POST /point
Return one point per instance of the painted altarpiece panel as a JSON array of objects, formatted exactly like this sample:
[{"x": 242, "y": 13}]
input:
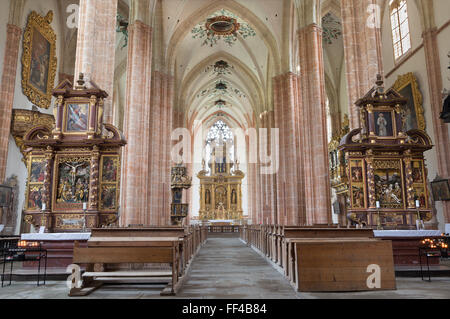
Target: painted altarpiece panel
[{"x": 35, "y": 185}]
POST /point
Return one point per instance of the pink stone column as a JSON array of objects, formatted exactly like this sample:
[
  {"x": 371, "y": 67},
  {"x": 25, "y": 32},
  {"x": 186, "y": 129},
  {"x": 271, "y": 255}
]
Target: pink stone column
[
  {"x": 286, "y": 108},
  {"x": 441, "y": 138},
  {"x": 10, "y": 60},
  {"x": 313, "y": 129},
  {"x": 96, "y": 45},
  {"x": 267, "y": 186},
  {"x": 159, "y": 161},
  {"x": 135, "y": 184},
  {"x": 362, "y": 49}
]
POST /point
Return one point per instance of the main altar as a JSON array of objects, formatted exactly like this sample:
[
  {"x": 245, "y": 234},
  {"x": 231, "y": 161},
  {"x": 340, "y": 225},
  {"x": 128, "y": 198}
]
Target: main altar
[{"x": 221, "y": 187}]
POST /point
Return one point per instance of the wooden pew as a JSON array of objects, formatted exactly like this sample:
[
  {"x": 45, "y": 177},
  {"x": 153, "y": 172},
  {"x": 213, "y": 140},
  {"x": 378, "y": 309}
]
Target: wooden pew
[
  {"x": 287, "y": 232},
  {"x": 117, "y": 250},
  {"x": 340, "y": 264},
  {"x": 186, "y": 248}
]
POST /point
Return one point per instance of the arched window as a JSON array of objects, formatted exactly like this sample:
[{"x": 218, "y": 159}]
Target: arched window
[
  {"x": 219, "y": 134},
  {"x": 400, "y": 27}
]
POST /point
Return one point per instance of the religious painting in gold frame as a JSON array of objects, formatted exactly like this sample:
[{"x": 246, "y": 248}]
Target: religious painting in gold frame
[
  {"x": 71, "y": 182},
  {"x": 39, "y": 59},
  {"x": 407, "y": 86},
  {"x": 109, "y": 182},
  {"x": 35, "y": 187}
]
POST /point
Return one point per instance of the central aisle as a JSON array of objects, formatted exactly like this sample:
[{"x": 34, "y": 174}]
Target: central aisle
[{"x": 226, "y": 268}]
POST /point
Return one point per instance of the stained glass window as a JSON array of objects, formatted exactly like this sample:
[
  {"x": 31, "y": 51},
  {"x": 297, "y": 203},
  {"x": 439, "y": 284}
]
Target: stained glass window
[
  {"x": 400, "y": 27},
  {"x": 219, "y": 132}
]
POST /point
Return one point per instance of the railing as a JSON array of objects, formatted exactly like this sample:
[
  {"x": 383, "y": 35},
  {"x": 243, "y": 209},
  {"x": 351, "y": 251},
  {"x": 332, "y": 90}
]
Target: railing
[{"x": 224, "y": 229}]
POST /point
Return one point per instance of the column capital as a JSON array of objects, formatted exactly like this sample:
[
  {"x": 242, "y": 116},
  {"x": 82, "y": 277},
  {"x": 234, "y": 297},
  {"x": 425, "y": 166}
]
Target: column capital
[{"x": 313, "y": 27}]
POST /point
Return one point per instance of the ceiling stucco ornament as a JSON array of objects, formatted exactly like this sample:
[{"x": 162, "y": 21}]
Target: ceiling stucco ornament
[
  {"x": 332, "y": 28},
  {"x": 221, "y": 88},
  {"x": 220, "y": 68},
  {"x": 220, "y": 103},
  {"x": 222, "y": 25}
]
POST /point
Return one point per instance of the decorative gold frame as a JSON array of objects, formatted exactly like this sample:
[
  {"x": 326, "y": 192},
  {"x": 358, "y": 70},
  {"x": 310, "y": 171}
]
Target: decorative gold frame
[
  {"x": 41, "y": 25},
  {"x": 410, "y": 79}
]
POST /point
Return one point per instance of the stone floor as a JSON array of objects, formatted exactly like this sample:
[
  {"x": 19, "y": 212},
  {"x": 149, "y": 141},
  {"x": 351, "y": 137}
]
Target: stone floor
[{"x": 226, "y": 268}]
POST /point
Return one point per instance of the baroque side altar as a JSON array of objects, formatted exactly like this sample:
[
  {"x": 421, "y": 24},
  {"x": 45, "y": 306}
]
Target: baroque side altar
[
  {"x": 74, "y": 164},
  {"x": 383, "y": 173}
]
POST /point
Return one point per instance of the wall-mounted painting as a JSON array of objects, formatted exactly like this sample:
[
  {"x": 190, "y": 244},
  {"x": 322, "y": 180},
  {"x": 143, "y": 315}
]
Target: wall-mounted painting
[
  {"x": 441, "y": 190},
  {"x": 39, "y": 59},
  {"x": 6, "y": 196},
  {"x": 408, "y": 87}
]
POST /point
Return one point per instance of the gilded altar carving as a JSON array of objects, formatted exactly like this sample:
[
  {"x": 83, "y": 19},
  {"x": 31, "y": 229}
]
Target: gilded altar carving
[
  {"x": 39, "y": 59},
  {"x": 25, "y": 120}
]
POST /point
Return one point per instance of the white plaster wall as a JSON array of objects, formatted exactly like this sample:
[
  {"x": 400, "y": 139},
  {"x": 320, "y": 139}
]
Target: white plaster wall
[
  {"x": 15, "y": 165},
  {"x": 417, "y": 65},
  {"x": 343, "y": 93},
  {"x": 441, "y": 10}
]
